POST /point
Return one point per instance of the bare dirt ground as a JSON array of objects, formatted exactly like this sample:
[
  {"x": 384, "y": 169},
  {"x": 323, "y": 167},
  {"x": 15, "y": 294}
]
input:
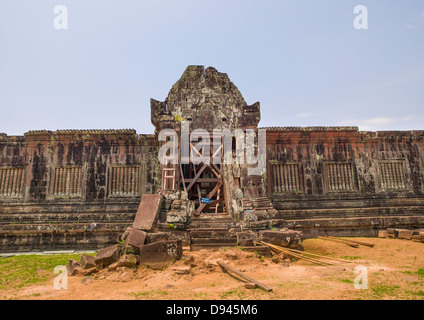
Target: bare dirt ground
[{"x": 395, "y": 271}]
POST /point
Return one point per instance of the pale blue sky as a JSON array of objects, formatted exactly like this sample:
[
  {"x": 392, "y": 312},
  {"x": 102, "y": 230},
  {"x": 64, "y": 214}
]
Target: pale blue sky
[{"x": 303, "y": 60}]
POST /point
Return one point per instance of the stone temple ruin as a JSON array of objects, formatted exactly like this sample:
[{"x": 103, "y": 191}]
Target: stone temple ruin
[{"x": 90, "y": 189}]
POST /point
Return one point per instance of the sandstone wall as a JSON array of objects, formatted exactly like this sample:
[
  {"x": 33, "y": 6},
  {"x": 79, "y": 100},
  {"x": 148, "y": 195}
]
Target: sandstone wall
[
  {"x": 79, "y": 165},
  {"x": 337, "y": 168}
]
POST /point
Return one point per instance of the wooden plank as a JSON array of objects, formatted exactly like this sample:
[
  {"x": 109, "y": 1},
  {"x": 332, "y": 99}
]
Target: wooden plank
[
  {"x": 355, "y": 242},
  {"x": 317, "y": 255},
  {"x": 340, "y": 241},
  {"x": 197, "y": 176},
  {"x": 295, "y": 255},
  {"x": 210, "y": 195},
  {"x": 203, "y": 180},
  {"x": 244, "y": 276},
  {"x": 182, "y": 177}
]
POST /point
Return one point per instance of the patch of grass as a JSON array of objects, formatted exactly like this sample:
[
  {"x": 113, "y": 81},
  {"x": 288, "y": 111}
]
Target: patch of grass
[
  {"x": 227, "y": 294},
  {"x": 148, "y": 293},
  {"x": 418, "y": 293},
  {"x": 351, "y": 257},
  {"x": 346, "y": 281},
  {"x": 419, "y": 272},
  {"x": 201, "y": 295},
  {"x": 139, "y": 294},
  {"x": 384, "y": 290},
  {"x": 19, "y": 271}
]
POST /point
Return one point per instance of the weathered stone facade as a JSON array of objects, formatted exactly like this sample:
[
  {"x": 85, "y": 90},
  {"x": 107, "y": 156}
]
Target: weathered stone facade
[{"x": 322, "y": 180}]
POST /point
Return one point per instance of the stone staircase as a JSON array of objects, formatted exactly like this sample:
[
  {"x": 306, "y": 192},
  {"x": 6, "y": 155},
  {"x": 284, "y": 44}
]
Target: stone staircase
[
  {"x": 66, "y": 226},
  {"x": 212, "y": 232},
  {"x": 209, "y": 232}
]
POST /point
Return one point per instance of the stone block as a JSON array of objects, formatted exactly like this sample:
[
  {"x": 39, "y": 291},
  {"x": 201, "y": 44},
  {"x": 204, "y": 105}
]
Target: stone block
[
  {"x": 416, "y": 237},
  {"x": 405, "y": 234},
  {"x": 383, "y": 234},
  {"x": 155, "y": 237},
  {"x": 108, "y": 255},
  {"x": 73, "y": 267},
  {"x": 246, "y": 238},
  {"x": 176, "y": 216},
  {"x": 135, "y": 238},
  {"x": 287, "y": 238},
  {"x": 87, "y": 261},
  {"x": 393, "y": 233},
  {"x": 148, "y": 212},
  {"x": 181, "y": 270},
  {"x": 127, "y": 260},
  {"x": 245, "y": 243},
  {"x": 250, "y": 285},
  {"x": 161, "y": 251}
]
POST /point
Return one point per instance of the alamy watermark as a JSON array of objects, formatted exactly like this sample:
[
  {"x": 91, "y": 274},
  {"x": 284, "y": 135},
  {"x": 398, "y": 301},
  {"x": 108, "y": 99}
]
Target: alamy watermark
[
  {"x": 60, "y": 21},
  {"x": 361, "y": 281},
  {"x": 61, "y": 281},
  {"x": 361, "y": 20}
]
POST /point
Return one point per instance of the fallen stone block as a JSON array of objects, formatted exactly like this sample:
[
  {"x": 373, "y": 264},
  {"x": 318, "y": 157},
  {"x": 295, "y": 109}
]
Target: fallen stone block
[
  {"x": 87, "y": 280},
  {"x": 246, "y": 238},
  {"x": 108, "y": 255},
  {"x": 245, "y": 243},
  {"x": 287, "y": 238},
  {"x": 161, "y": 251},
  {"x": 181, "y": 270},
  {"x": 155, "y": 237},
  {"x": 87, "y": 261},
  {"x": 135, "y": 238},
  {"x": 416, "y": 238},
  {"x": 127, "y": 260},
  {"x": 405, "y": 234},
  {"x": 73, "y": 267},
  {"x": 148, "y": 212},
  {"x": 250, "y": 285},
  {"x": 383, "y": 234},
  {"x": 87, "y": 272},
  {"x": 418, "y": 231},
  {"x": 422, "y": 235},
  {"x": 261, "y": 214},
  {"x": 393, "y": 233}
]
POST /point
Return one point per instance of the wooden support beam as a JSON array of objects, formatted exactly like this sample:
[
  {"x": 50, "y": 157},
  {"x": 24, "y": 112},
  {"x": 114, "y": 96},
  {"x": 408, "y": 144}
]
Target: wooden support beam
[
  {"x": 354, "y": 241},
  {"x": 182, "y": 177},
  {"x": 203, "y": 180},
  {"x": 197, "y": 176},
  {"x": 210, "y": 195},
  {"x": 227, "y": 268},
  {"x": 340, "y": 241}
]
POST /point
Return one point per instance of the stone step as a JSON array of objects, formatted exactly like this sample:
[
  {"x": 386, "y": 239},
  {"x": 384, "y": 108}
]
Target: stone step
[
  {"x": 205, "y": 218},
  {"x": 81, "y": 240},
  {"x": 209, "y": 233},
  {"x": 65, "y": 217},
  {"x": 350, "y": 212},
  {"x": 67, "y": 207},
  {"x": 64, "y": 226},
  {"x": 214, "y": 225},
  {"x": 216, "y": 241},
  {"x": 212, "y": 247}
]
